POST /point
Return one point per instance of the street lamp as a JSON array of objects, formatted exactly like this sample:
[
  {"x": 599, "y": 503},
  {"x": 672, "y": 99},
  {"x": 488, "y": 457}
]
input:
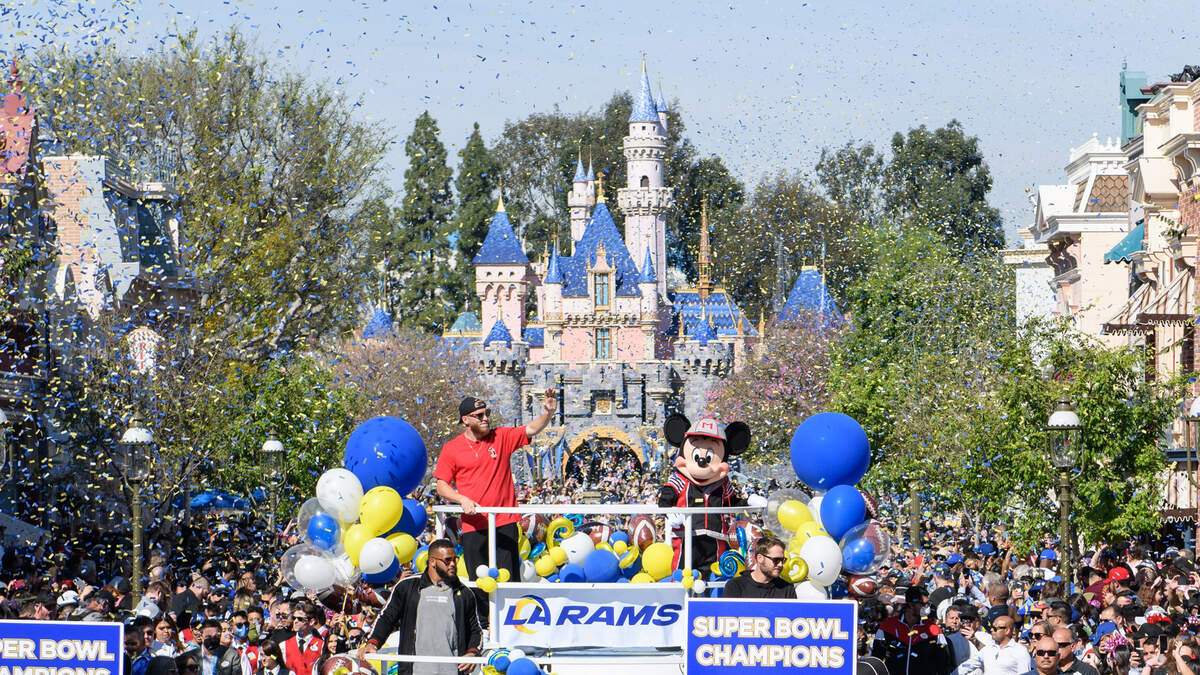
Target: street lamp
[
  {"x": 273, "y": 452},
  {"x": 1064, "y": 441},
  {"x": 1193, "y": 439},
  {"x": 136, "y": 441}
]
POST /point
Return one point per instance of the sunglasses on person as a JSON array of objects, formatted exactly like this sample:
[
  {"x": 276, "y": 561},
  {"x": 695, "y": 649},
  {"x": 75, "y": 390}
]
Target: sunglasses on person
[
  {"x": 299, "y": 617},
  {"x": 774, "y": 561},
  {"x": 1037, "y": 636},
  {"x": 480, "y": 415},
  {"x": 1064, "y": 644},
  {"x": 1045, "y": 652}
]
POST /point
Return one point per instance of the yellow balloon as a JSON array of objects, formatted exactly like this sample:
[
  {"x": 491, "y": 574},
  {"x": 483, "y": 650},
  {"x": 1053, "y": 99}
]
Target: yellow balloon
[
  {"x": 811, "y": 529},
  {"x": 604, "y": 546},
  {"x": 657, "y": 560},
  {"x": 559, "y": 528},
  {"x": 545, "y": 566},
  {"x": 628, "y": 558},
  {"x": 688, "y": 580},
  {"x": 422, "y": 560},
  {"x": 795, "y": 542},
  {"x": 356, "y": 535},
  {"x": 794, "y": 570},
  {"x": 486, "y": 584},
  {"x": 461, "y": 569},
  {"x": 620, "y": 547},
  {"x": 380, "y": 509},
  {"x": 642, "y": 578},
  {"x": 505, "y": 575},
  {"x": 792, "y": 514},
  {"x": 523, "y": 548},
  {"x": 558, "y": 555},
  {"x": 404, "y": 546}
]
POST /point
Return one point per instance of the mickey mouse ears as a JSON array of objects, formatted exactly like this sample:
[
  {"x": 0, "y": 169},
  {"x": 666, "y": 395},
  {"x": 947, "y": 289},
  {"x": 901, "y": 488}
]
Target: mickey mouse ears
[{"x": 735, "y": 435}]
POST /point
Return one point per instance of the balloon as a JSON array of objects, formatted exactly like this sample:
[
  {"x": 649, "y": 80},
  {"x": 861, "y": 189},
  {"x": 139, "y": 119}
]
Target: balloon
[
  {"x": 731, "y": 564},
  {"x": 812, "y": 529},
  {"x": 385, "y": 576},
  {"x": 523, "y": 666},
  {"x": 376, "y": 555},
  {"x": 324, "y": 531},
  {"x": 460, "y": 569},
  {"x": 291, "y": 558},
  {"x": 558, "y": 555},
  {"x": 807, "y": 590},
  {"x": 387, "y": 451},
  {"x": 856, "y": 542},
  {"x": 356, "y": 536},
  {"x": 642, "y": 578},
  {"x": 413, "y": 520},
  {"x": 572, "y": 573},
  {"x": 795, "y": 544},
  {"x": 499, "y": 659},
  {"x": 814, "y": 507},
  {"x": 523, "y": 548},
  {"x": 380, "y": 509},
  {"x": 345, "y": 573},
  {"x": 631, "y": 563},
  {"x": 559, "y": 528},
  {"x": 515, "y": 654},
  {"x": 838, "y": 589},
  {"x": 618, "y": 536},
  {"x": 308, "y": 509},
  {"x": 421, "y": 559},
  {"x": 792, "y": 514},
  {"x": 505, "y": 575},
  {"x": 314, "y": 573},
  {"x": 601, "y": 567},
  {"x": 577, "y": 546},
  {"x": 481, "y": 571},
  {"x": 545, "y": 566},
  {"x": 824, "y": 559},
  {"x": 657, "y": 560},
  {"x": 830, "y": 449},
  {"x": 537, "y": 551},
  {"x": 842, "y": 508},
  {"x": 774, "y": 501},
  {"x": 794, "y": 569},
  {"x": 528, "y": 571},
  {"x": 404, "y": 546},
  {"x": 339, "y": 492},
  {"x": 486, "y": 584},
  {"x": 688, "y": 581},
  {"x": 699, "y": 586}
]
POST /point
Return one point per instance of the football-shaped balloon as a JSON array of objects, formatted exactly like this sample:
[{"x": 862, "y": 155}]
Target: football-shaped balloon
[
  {"x": 599, "y": 532},
  {"x": 641, "y": 531},
  {"x": 872, "y": 505},
  {"x": 534, "y": 526},
  {"x": 863, "y": 586}
]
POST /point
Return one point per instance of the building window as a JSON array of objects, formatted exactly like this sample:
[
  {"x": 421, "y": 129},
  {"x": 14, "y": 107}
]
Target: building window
[
  {"x": 1187, "y": 349},
  {"x": 601, "y": 290},
  {"x": 603, "y": 343},
  {"x": 645, "y": 181}
]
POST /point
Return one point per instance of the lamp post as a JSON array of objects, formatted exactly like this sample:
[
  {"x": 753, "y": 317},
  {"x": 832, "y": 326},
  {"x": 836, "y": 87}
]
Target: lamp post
[
  {"x": 1193, "y": 439},
  {"x": 1064, "y": 440},
  {"x": 273, "y": 452},
  {"x": 136, "y": 441}
]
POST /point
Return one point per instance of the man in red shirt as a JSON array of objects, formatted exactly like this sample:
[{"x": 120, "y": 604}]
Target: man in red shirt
[{"x": 475, "y": 470}]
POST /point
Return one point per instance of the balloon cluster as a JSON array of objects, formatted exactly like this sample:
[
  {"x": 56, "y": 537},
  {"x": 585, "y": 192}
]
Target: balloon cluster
[
  {"x": 832, "y": 534},
  {"x": 359, "y": 526},
  {"x": 511, "y": 662}
]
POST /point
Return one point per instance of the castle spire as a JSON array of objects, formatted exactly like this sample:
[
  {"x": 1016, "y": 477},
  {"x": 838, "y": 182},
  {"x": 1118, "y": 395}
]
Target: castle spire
[
  {"x": 704, "y": 264},
  {"x": 580, "y": 176},
  {"x": 600, "y": 188},
  {"x": 500, "y": 201}
]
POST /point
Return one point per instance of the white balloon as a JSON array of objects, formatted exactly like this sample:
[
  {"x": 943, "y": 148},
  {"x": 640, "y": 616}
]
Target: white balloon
[
  {"x": 699, "y": 586},
  {"x": 528, "y": 571},
  {"x": 824, "y": 558},
  {"x": 314, "y": 573},
  {"x": 339, "y": 492},
  {"x": 814, "y": 505},
  {"x": 481, "y": 571},
  {"x": 376, "y": 556},
  {"x": 577, "y": 546},
  {"x": 345, "y": 573},
  {"x": 807, "y": 590}
]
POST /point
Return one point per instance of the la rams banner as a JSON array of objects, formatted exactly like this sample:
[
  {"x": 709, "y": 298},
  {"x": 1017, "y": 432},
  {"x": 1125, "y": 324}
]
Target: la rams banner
[
  {"x": 60, "y": 648},
  {"x": 727, "y": 637},
  {"x": 580, "y": 615}
]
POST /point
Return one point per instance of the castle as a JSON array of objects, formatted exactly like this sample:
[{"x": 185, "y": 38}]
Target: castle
[{"x": 621, "y": 350}]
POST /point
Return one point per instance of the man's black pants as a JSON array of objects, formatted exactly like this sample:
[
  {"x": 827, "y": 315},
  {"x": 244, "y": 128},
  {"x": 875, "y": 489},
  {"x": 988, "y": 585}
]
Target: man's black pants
[{"x": 508, "y": 556}]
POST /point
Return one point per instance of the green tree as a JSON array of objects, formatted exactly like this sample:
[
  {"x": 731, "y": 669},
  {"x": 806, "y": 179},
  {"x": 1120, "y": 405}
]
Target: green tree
[
  {"x": 850, "y": 177},
  {"x": 478, "y": 177},
  {"x": 939, "y": 180},
  {"x": 701, "y": 179},
  {"x": 418, "y": 266}
]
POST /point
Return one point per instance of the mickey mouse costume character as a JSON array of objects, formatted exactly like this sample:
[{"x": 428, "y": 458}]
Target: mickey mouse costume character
[{"x": 700, "y": 480}]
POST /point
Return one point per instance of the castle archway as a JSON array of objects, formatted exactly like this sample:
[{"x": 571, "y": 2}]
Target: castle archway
[{"x": 602, "y": 453}]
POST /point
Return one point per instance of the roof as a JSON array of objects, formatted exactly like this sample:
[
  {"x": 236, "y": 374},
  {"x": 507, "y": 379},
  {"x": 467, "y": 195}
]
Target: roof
[
  {"x": 553, "y": 271},
  {"x": 810, "y": 296},
  {"x": 1131, "y": 243},
  {"x": 718, "y": 309},
  {"x": 644, "y": 107},
  {"x": 661, "y": 104},
  {"x": 378, "y": 326},
  {"x": 703, "y": 333},
  {"x": 498, "y": 333},
  {"x": 466, "y": 324},
  {"x": 535, "y": 336},
  {"x": 580, "y": 175},
  {"x": 591, "y": 175},
  {"x": 648, "y": 276},
  {"x": 600, "y": 231},
  {"x": 1109, "y": 193},
  {"x": 501, "y": 246}
]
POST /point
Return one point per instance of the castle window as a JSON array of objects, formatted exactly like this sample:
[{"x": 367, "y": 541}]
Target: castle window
[
  {"x": 601, "y": 291},
  {"x": 603, "y": 343},
  {"x": 645, "y": 181}
]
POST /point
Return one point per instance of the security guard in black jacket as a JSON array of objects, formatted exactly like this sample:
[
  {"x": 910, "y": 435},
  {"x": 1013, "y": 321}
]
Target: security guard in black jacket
[{"x": 434, "y": 613}]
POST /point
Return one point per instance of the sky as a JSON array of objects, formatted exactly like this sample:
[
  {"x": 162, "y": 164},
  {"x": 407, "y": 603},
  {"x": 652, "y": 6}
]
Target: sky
[{"x": 765, "y": 85}]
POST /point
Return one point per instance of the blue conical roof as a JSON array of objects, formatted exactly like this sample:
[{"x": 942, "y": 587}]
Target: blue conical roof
[
  {"x": 466, "y": 324},
  {"x": 498, "y": 333},
  {"x": 379, "y": 326},
  {"x": 553, "y": 273},
  {"x": 580, "y": 175},
  {"x": 601, "y": 232},
  {"x": 810, "y": 296},
  {"x": 591, "y": 175},
  {"x": 704, "y": 332},
  {"x": 661, "y": 105},
  {"x": 644, "y": 107},
  {"x": 648, "y": 276},
  {"x": 501, "y": 246}
]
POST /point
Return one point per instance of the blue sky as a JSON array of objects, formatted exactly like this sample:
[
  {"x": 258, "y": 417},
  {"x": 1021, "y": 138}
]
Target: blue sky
[{"x": 765, "y": 85}]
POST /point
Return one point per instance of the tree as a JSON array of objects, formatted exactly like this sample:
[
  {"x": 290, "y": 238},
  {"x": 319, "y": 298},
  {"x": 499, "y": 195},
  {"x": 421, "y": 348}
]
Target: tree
[
  {"x": 850, "y": 177},
  {"x": 704, "y": 179},
  {"x": 939, "y": 180},
  {"x": 418, "y": 265},
  {"x": 282, "y": 187},
  {"x": 478, "y": 177}
]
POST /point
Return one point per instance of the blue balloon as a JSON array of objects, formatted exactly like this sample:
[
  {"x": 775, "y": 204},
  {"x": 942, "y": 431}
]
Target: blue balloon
[
  {"x": 601, "y": 566},
  {"x": 384, "y": 576},
  {"x": 413, "y": 521},
  {"x": 523, "y": 666},
  {"x": 502, "y": 663},
  {"x": 622, "y": 580},
  {"x": 387, "y": 451},
  {"x": 618, "y": 536},
  {"x": 842, "y": 508},
  {"x": 829, "y": 449},
  {"x": 633, "y": 569},
  {"x": 324, "y": 531},
  {"x": 553, "y": 578},
  {"x": 839, "y": 589},
  {"x": 677, "y": 575},
  {"x": 571, "y": 572},
  {"x": 857, "y": 556}
]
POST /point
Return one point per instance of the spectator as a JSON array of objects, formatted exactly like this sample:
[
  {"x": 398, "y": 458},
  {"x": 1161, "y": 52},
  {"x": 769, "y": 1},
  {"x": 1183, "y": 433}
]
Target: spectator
[
  {"x": 1066, "y": 643},
  {"x": 303, "y": 649},
  {"x": 215, "y": 658},
  {"x": 1045, "y": 657},
  {"x": 271, "y": 659}
]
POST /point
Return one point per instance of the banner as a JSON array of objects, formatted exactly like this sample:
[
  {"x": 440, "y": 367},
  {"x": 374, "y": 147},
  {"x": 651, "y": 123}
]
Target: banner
[
  {"x": 60, "y": 648},
  {"x": 581, "y": 615},
  {"x": 727, "y": 636}
]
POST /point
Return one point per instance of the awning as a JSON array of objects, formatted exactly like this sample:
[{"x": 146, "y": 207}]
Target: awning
[
  {"x": 1169, "y": 307},
  {"x": 1124, "y": 322},
  {"x": 1130, "y": 244}
]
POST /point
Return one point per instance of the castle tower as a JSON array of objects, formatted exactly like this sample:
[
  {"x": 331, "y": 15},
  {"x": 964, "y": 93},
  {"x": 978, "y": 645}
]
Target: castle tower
[
  {"x": 501, "y": 271},
  {"x": 648, "y": 309},
  {"x": 704, "y": 282},
  {"x": 705, "y": 361},
  {"x": 645, "y": 200},
  {"x": 552, "y": 310},
  {"x": 581, "y": 199},
  {"x": 661, "y": 108}
]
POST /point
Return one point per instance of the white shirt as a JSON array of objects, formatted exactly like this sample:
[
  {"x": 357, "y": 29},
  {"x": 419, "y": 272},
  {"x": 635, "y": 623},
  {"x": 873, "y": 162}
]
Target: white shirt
[{"x": 1011, "y": 659}]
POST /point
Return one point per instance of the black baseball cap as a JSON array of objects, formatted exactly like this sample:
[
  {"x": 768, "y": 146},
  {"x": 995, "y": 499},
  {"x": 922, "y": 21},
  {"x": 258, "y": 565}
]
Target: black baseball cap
[{"x": 469, "y": 405}]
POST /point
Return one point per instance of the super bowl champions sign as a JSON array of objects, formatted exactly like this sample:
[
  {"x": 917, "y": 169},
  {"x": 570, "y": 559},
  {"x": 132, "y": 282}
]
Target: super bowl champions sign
[
  {"x": 60, "y": 648},
  {"x": 576, "y": 615},
  {"x": 767, "y": 636}
]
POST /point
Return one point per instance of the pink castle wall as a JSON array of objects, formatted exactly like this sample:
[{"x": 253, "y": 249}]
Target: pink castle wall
[
  {"x": 631, "y": 344},
  {"x": 577, "y": 344}
]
